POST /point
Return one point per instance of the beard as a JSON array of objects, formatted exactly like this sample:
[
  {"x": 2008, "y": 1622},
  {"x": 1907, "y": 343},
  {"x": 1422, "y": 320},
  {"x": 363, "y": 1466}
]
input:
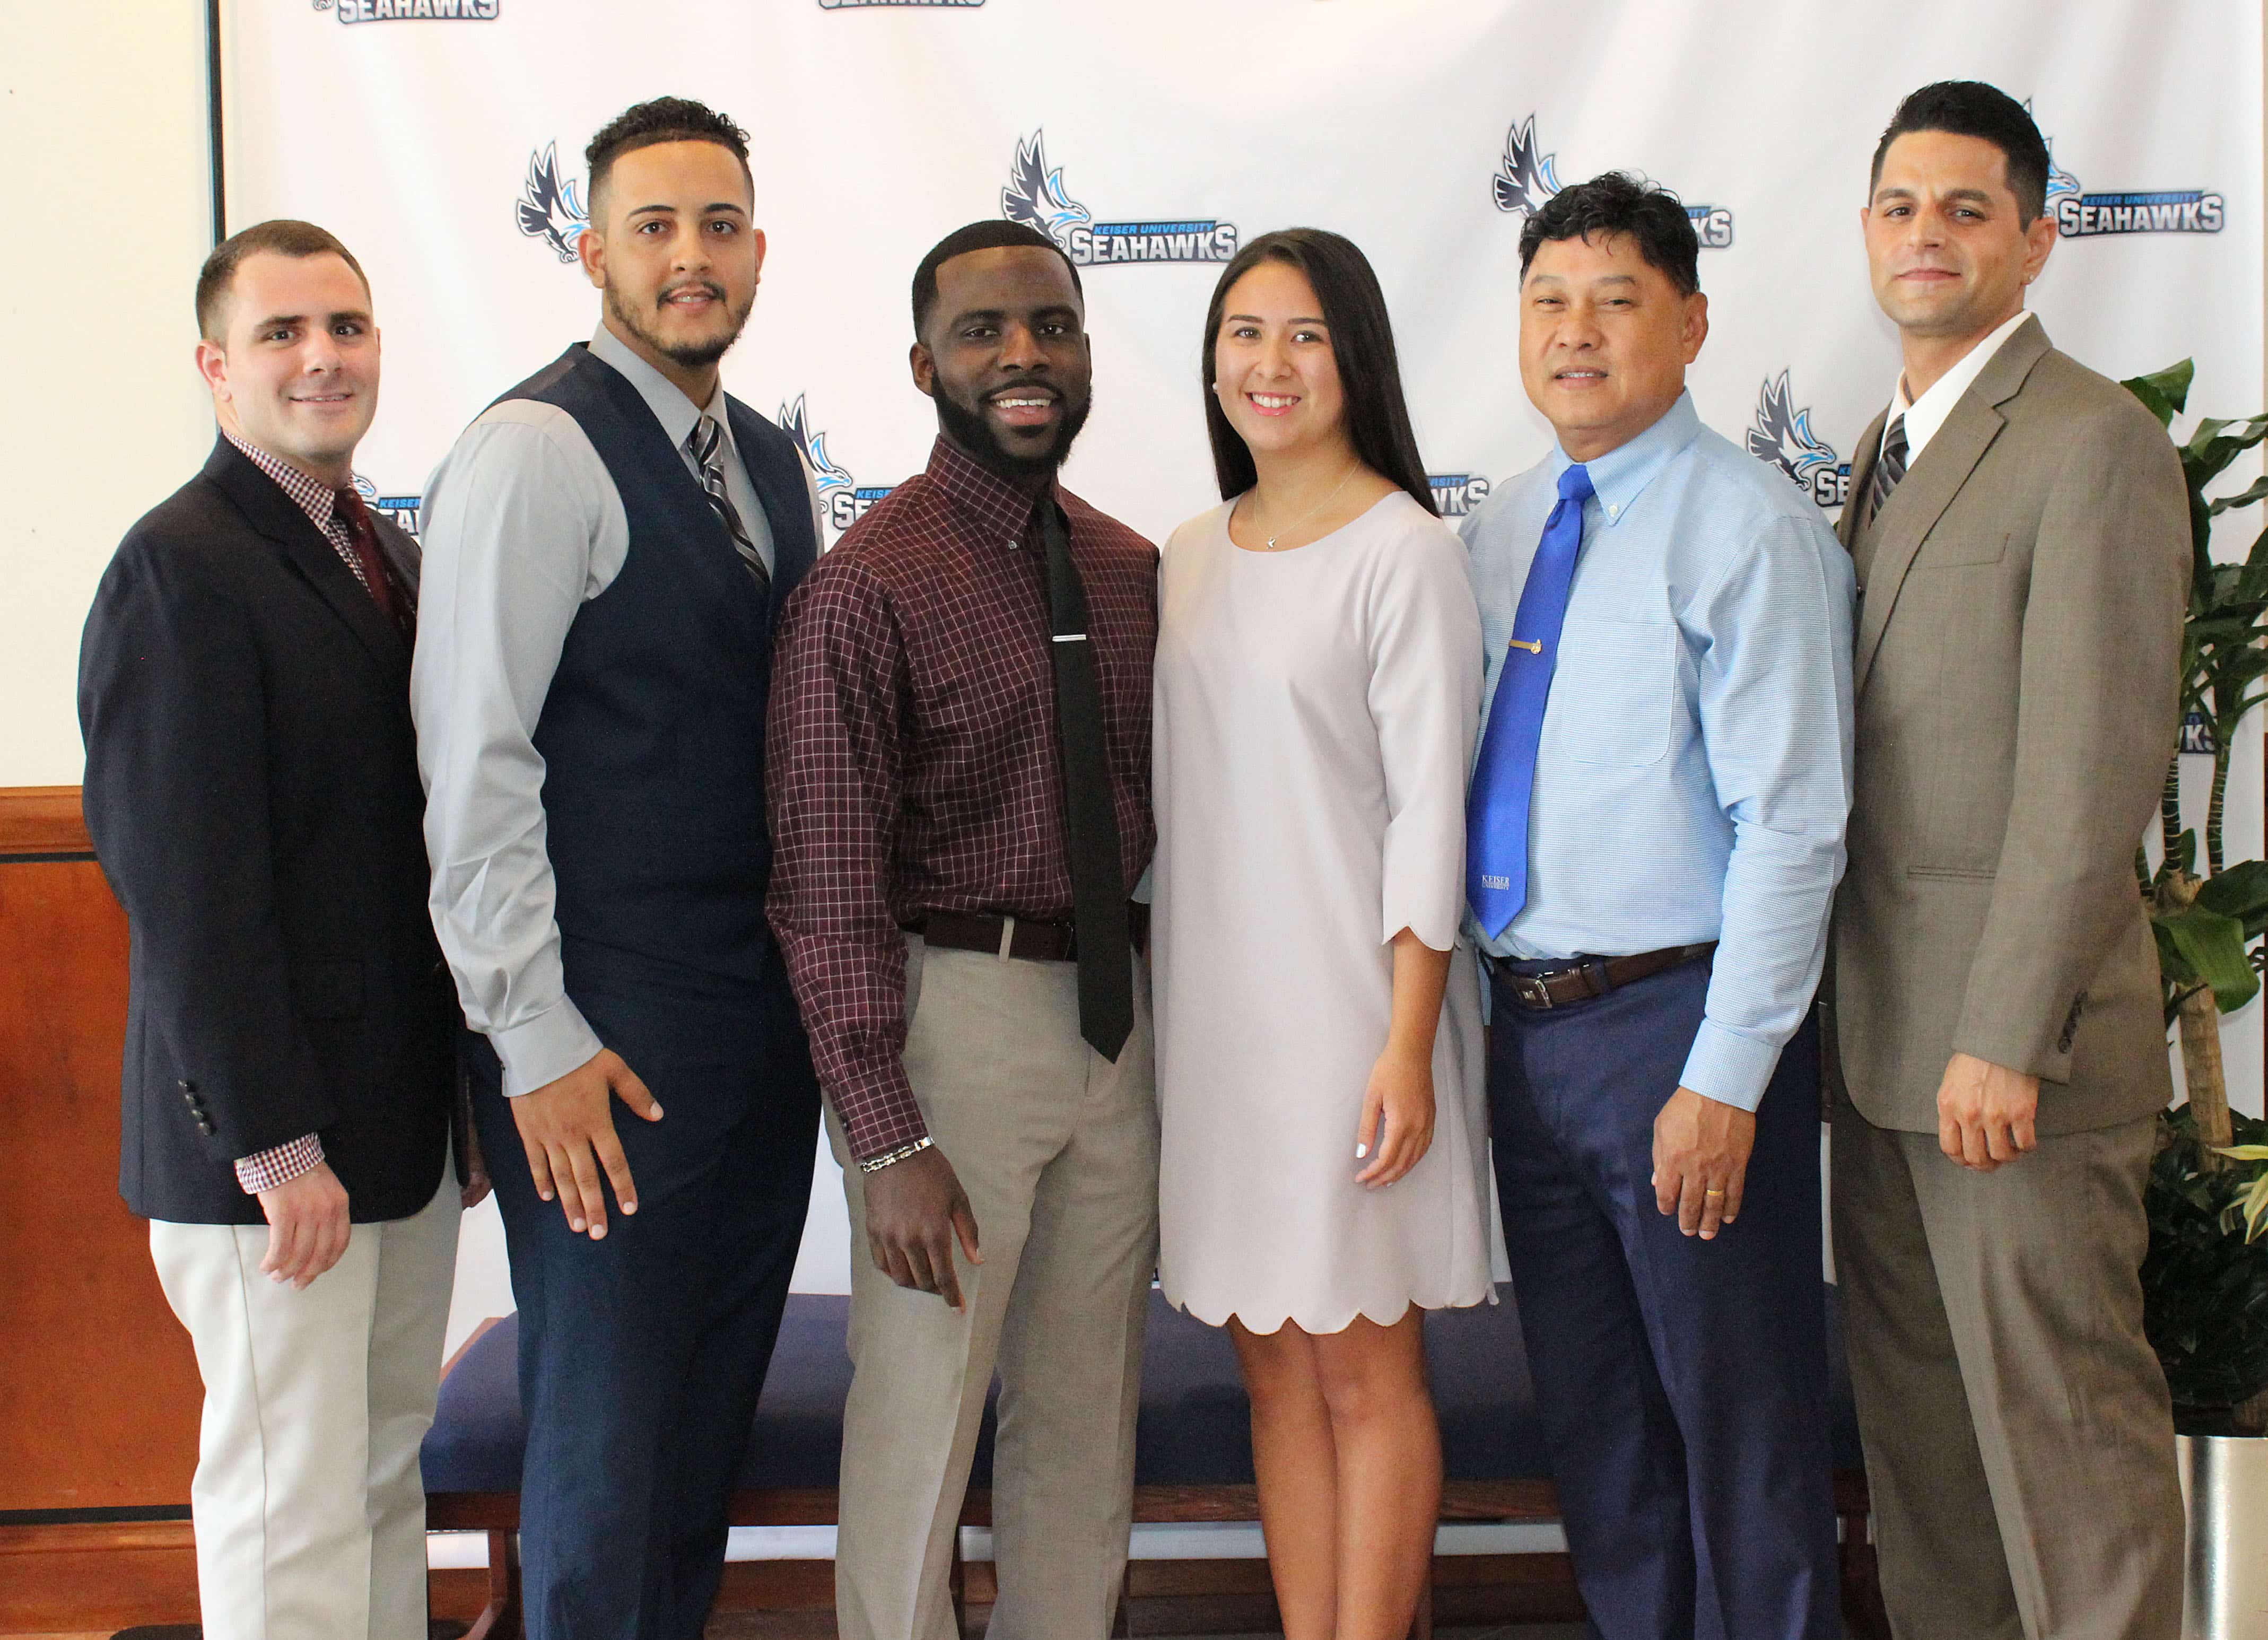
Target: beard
[
  {"x": 694, "y": 355},
  {"x": 967, "y": 427}
]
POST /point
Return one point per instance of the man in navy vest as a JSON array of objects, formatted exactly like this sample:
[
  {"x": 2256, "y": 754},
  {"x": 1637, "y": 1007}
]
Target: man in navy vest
[{"x": 608, "y": 549}]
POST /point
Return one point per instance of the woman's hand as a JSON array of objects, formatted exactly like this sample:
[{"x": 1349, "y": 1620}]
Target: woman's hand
[{"x": 1402, "y": 1093}]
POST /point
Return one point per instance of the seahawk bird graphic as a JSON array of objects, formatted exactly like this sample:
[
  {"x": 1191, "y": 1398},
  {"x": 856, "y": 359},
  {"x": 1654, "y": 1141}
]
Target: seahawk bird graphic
[
  {"x": 549, "y": 211},
  {"x": 2059, "y": 180},
  {"x": 1034, "y": 194},
  {"x": 795, "y": 422},
  {"x": 1783, "y": 436},
  {"x": 1526, "y": 179}
]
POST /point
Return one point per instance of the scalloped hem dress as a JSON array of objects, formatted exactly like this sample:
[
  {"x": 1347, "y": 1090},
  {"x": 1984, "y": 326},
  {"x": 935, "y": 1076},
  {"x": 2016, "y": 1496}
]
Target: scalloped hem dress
[{"x": 1314, "y": 716}]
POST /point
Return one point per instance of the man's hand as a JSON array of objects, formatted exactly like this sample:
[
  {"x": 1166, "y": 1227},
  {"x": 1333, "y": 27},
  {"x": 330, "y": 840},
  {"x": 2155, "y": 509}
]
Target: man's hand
[
  {"x": 1701, "y": 1149},
  {"x": 307, "y": 1225},
  {"x": 1985, "y": 1113},
  {"x": 1402, "y": 1091},
  {"x": 914, "y": 1210},
  {"x": 568, "y": 1126}
]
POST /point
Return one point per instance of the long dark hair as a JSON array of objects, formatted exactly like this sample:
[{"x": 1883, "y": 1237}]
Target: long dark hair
[{"x": 1362, "y": 342}]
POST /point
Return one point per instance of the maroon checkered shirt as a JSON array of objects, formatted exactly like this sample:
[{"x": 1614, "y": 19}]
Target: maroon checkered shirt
[{"x": 912, "y": 760}]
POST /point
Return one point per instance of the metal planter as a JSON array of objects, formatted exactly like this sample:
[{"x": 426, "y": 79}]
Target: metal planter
[{"x": 2225, "y": 1582}]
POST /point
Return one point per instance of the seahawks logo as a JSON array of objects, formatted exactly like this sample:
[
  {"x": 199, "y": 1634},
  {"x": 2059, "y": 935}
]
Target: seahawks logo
[
  {"x": 1781, "y": 435},
  {"x": 1036, "y": 196},
  {"x": 1525, "y": 177},
  {"x": 549, "y": 210}
]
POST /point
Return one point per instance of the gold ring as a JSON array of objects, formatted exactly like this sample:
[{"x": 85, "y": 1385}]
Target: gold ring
[{"x": 1713, "y": 1192}]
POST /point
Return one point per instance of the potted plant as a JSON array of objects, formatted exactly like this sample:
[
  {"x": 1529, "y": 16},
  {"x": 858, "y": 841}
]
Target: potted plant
[{"x": 2205, "y": 1282}]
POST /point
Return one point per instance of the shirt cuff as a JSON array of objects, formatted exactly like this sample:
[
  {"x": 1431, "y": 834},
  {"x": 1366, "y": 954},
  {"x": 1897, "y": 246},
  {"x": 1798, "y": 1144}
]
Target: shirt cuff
[
  {"x": 1729, "y": 1067},
  {"x": 879, "y": 1114},
  {"x": 268, "y": 1169},
  {"x": 543, "y": 1050}
]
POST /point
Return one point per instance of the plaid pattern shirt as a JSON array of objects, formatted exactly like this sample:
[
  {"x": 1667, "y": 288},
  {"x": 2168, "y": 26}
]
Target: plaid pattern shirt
[
  {"x": 265, "y": 1170},
  {"x": 913, "y": 754}
]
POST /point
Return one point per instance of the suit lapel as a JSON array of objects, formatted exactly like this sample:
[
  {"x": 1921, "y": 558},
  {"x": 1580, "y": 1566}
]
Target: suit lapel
[
  {"x": 1936, "y": 477},
  {"x": 277, "y": 516}
]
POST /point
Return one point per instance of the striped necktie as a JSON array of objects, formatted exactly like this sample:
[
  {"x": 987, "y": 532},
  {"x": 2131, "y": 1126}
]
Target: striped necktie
[
  {"x": 705, "y": 444},
  {"x": 1889, "y": 469}
]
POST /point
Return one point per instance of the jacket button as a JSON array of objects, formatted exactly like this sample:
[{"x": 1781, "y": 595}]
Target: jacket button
[
  {"x": 189, "y": 1099},
  {"x": 186, "y": 1088},
  {"x": 205, "y": 1126}
]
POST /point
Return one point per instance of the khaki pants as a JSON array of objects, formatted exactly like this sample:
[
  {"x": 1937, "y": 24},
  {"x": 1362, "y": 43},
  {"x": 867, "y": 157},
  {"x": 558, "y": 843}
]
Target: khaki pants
[
  {"x": 2019, "y": 1441},
  {"x": 1058, "y": 1152},
  {"x": 307, "y": 1504}
]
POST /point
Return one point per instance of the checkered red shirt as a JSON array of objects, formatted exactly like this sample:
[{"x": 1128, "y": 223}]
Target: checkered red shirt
[{"x": 913, "y": 751}]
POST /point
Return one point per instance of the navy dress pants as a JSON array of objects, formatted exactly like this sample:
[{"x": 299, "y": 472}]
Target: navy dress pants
[
  {"x": 641, "y": 1355},
  {"x": 1683, "y": 1383}
]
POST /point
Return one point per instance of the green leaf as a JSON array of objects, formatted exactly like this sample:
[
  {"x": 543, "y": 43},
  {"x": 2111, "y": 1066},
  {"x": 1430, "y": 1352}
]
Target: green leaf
[
  {"x": 2212, "y": 947},
  {"x": 2239, "y": 892},
  {"x": 2256, "y": 491},
  {"x": 2164, "y": 393}
]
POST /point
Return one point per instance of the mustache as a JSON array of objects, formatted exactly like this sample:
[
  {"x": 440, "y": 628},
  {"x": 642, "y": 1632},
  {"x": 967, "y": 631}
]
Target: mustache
[{"x": 707, "y": 287}]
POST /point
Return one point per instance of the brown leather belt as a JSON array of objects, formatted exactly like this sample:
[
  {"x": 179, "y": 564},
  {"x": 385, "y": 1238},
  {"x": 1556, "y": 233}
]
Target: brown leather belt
[
  {"x": 1589, "y": 977},
  {"x": 1025, "y": 938}
]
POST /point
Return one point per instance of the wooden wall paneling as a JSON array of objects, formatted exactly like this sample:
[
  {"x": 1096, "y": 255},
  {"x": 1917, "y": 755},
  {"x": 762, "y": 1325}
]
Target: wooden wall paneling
[{"x": 99, "y": 1387}]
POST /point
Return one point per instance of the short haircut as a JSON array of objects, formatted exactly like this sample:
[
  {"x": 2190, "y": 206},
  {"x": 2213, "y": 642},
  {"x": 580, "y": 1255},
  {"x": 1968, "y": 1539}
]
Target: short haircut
[
  {"x": 1362, "y": 346},
  {"x": 989, "y": 234},
  {"x": 283, "y": 236},
  {"x": 663, "y": 119},
  {"x": 1972, "y": 108},
  {"x": 1618, "y": 203}
]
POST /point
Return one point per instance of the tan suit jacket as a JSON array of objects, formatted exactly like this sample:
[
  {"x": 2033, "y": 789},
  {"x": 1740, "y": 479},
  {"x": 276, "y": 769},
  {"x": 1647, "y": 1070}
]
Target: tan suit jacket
[{"x": 2023, "y": 592}]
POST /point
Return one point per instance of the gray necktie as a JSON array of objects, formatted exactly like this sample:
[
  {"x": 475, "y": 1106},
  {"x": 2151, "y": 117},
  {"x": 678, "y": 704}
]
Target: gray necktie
[
  {"x": 1889, "y": 469},
  {"x": 706, "y": 444}
]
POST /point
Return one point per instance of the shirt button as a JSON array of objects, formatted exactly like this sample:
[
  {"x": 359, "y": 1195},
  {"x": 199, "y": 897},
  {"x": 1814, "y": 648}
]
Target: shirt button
[{"x": 1612, "y": 509}]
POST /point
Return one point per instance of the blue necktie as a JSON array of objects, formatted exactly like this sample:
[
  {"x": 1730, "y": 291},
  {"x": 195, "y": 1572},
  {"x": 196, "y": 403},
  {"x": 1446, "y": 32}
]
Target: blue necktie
[{"x": 1503, "y": 776}]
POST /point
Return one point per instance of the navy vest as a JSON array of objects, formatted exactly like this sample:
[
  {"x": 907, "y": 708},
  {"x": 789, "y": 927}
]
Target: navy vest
[{"x": 652, "y": 735}]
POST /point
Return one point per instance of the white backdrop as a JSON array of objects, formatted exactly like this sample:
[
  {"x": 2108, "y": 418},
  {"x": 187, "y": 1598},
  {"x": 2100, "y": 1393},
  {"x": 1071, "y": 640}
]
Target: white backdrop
[{"x": 1174, "y": 130}]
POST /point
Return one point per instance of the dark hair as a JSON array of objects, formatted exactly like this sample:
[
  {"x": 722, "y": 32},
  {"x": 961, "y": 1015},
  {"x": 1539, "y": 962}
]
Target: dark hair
[
  {"x": 1615, "y": 202},
  {"x": 284, "y": 235},
  {"x": 991, "y": 233},
  {"x": 1362, "y": 344},
  {"x": 663, "y": 119},
  {"x": 1972, "y": 108}
]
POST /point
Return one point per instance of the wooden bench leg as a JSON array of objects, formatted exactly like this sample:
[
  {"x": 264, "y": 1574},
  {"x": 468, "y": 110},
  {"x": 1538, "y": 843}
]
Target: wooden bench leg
[
  {"x": 500, "y": 1618},
  {"x": 1864, "y": 1615}
]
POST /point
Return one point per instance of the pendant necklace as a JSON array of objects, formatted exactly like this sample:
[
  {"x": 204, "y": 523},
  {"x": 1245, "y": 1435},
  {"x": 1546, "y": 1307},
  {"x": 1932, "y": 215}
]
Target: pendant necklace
[{"x": 1311, "y": 512}]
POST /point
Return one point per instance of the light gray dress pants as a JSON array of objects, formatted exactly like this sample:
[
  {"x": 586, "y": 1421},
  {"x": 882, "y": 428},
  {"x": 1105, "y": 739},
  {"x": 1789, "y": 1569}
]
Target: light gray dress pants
[{"x": 1058, "y": 1149}]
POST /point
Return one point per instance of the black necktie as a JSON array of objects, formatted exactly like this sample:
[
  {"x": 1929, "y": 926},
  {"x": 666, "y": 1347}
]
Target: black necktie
[
  {"x": 1098, "y": 883},
  {"x": 1888, "y": 469}
]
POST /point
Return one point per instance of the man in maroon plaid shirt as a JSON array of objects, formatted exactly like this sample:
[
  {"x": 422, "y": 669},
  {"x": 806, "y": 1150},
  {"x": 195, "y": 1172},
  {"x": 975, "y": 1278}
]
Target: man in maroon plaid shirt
[{"x": 960, "y": 797}]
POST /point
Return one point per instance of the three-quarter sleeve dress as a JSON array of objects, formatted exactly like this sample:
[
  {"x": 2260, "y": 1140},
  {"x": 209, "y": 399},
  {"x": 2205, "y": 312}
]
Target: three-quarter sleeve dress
[{"x": 1314, "y": 718}]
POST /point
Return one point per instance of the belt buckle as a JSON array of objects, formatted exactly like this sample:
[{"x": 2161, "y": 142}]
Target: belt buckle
[{"x": 1531, "y": 990}]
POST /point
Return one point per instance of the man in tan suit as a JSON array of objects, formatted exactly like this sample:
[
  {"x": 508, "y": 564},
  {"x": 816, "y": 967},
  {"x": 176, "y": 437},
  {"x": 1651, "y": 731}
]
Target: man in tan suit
[{"x": 2019, "y": 528}]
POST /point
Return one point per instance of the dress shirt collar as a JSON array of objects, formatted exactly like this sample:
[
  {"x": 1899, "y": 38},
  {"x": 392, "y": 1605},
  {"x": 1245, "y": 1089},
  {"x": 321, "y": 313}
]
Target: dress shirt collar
[
  {"x": 1926, "y": 414},
  {"x": 994, "y": 504},
  {"x": 313, "y": 496},
  {"x": 677, "y": 414},
  {"x": 1619, "y": 475}
]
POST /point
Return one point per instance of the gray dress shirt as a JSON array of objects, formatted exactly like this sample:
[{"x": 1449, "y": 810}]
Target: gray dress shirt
[{"x": 522, "y": 523}]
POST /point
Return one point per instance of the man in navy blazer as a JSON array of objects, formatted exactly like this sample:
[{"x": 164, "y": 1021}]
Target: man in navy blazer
[
  {"x": 609, "y": 546},
  {"x": 252, "y": 791}
]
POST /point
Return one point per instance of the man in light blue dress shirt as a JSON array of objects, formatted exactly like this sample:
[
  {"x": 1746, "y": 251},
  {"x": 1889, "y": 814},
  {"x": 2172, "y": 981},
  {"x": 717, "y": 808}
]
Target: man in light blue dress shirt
[{"x": 1656, "y": 831}]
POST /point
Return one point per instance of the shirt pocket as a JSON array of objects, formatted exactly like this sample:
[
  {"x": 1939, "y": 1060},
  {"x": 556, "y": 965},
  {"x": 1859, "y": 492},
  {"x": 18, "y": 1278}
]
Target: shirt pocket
[{"x": 1614, "y": 688}]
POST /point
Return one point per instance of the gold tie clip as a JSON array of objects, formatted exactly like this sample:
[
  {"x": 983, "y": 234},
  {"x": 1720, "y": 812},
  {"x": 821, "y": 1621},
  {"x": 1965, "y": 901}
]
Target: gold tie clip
[{"x": 1533, "y": 646}]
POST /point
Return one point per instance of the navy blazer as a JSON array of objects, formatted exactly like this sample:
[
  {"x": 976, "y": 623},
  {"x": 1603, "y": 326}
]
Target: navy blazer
[{"x": 252, "y": 793}]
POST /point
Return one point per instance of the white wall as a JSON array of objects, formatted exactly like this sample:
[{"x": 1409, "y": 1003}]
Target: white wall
[{"x": 102, "y": 117}]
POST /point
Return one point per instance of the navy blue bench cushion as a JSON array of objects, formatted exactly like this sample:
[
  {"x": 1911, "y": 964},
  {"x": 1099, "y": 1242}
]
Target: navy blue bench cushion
[{"x": 1194, "y": 1432}]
